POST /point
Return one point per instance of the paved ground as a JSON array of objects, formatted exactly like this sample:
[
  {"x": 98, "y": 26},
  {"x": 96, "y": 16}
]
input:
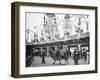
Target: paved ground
[{"x": 49, "y": 62}]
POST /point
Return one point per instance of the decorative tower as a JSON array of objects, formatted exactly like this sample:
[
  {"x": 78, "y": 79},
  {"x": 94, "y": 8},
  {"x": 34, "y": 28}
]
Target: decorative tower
[{"x": 50, "y": 25}]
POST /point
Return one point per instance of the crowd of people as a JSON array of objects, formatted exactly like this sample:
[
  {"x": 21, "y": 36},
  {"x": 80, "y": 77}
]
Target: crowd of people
[{"x": 57, "y": 54}]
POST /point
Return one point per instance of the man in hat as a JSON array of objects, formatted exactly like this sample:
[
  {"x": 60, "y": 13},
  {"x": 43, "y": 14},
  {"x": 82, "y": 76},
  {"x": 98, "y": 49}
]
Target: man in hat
[
  {"x": 43, "y": 56},
  {"x": 76, "y": 57}
]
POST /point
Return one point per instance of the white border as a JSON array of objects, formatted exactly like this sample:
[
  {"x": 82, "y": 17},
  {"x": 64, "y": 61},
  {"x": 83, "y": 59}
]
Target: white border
[{"x": 38, "y": 70}]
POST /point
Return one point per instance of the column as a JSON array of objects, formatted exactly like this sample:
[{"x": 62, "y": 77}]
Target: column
[
  {"x": 48, "y": 51},
  {"x": 79, "y": 49}
]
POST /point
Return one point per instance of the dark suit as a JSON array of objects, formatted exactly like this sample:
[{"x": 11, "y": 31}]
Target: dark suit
[
  {"x": 85, "y": 55},
  {"x": 76, "y": 57},
  {"x": 43, "y": 57}
]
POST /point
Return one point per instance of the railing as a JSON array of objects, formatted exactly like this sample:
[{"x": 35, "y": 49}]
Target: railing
[{"x": 81, "y": 35}]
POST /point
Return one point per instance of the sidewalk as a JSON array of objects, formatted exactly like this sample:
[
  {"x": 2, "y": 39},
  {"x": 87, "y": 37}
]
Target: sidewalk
[{"x": 49, "y": 62}]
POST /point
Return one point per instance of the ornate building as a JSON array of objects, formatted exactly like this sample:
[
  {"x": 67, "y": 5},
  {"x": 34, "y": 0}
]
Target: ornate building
[{"x": 53, "y": 30}]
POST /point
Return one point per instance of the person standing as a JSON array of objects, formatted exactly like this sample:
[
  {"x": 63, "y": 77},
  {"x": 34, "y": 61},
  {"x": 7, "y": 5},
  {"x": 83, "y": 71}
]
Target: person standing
[
  {"x": 66, "y": 56},
  {"x": 76, "y": 57},
  {"x": 85, "y": 54},
  {"x": 88, "y": 57}
]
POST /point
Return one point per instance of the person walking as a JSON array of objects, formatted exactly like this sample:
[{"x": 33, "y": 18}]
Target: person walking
[
  {"x": 43, "y": 56},
  {"x": 85, "y": 54},
  {"x": 76, "y": 57}
]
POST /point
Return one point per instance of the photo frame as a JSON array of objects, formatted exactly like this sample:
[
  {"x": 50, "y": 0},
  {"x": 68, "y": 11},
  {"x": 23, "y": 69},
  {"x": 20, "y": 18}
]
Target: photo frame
[{"x": 53, "y": 39}]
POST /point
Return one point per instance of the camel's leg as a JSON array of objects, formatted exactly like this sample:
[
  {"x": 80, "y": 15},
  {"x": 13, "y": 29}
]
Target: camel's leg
[
  {"x": 59, "y": 62},
  {"x": 65, "y": 62},
  {"x": 54, "y": 61}
]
